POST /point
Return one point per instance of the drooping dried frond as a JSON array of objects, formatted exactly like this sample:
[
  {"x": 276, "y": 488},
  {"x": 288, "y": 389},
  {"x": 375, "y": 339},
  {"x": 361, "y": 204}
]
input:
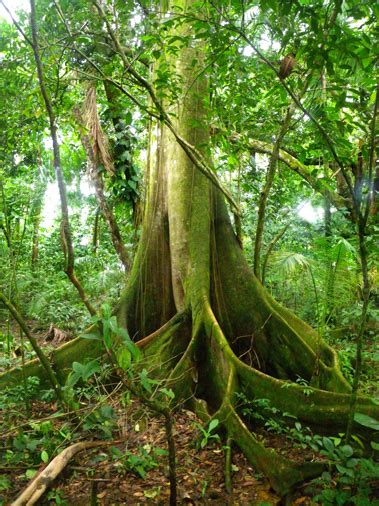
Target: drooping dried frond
[{"x": 99, "y": 140}]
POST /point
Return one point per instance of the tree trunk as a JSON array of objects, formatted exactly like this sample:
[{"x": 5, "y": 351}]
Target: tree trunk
[
  {"x": 271, "y": 170},
  {"x": 36, "y": 220}
]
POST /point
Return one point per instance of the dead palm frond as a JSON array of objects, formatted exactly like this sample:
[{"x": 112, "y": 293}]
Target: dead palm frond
[{"x": 100, "y": 144}]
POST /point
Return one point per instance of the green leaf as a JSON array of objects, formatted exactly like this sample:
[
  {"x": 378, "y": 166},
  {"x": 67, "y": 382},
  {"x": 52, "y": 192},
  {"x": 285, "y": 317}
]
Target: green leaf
[
  {"x": 30, "y": 473},
  {"x": 124, "y": 359},
  {"x": 44, "y": 456},
  {"x": 213, "y": 424},
  {"x": 78, "y": 367},
  {"x": 346, "y": 450},
  {"x": 167, "y": 391},
  {"x": 328, "y": 444},
  {"x": 366, "y": 421},
  {"x": 113, "y": 324},
  {"x": 107, "y": 339},
  {"x": 90, "y": 369},
  {"x": 128, "y": 118},
  {"x": 132, "y": 347},
  {"x": 145, "y": 381}
]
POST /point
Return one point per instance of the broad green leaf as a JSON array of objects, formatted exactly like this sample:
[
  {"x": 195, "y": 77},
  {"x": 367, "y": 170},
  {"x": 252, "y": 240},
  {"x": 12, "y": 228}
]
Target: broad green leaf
[
  {"x": 366, "y": 421},
  {"x": 213, "y": 424},
  {"x": 328, "y": 444}
]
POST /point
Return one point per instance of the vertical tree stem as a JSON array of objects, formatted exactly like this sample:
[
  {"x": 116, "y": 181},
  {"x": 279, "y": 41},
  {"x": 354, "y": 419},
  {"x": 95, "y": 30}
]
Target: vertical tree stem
[
  {"x": 100, "y": 196},
  {"x": 65, "y": 224},
  {"x": 266, "y": 190},
  {"x": 171, "y": 458},
  {"x": 228, "y": 465},
  {"x": 43, "y": 359},
  {"x": 362, "y": 326}
]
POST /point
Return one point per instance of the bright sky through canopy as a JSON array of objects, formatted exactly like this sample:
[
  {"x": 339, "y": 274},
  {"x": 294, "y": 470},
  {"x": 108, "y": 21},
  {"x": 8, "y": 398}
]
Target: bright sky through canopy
[{"x": 13, "y": 6}]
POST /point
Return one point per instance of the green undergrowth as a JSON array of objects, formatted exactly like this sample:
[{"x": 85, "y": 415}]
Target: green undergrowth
[{"x": 352, "y": 470}]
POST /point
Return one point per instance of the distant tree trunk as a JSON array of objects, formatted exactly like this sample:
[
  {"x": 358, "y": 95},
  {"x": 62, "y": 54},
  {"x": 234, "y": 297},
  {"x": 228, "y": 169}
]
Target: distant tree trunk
[
  {"x": 36, "y": 212},
  {"x": 95, "y": 236},
  {"x": 4, "y": 224},
  {"x": 66, "y": 236}
]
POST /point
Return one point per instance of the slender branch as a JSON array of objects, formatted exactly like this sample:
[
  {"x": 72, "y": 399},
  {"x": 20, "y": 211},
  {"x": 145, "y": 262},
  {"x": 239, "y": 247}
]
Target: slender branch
[
  {"x": 42, "y": 358},
  {"x": 266, "y": 190},
  {"x": 301, "y": 169},
  {"x": 363, "y": 254},
  {"x": 362, "y": 327},
  {"x": 65, "y": 223},
  {"x": 228, "y": 465}
]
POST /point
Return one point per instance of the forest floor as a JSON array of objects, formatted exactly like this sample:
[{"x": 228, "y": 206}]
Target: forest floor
[
  {"x": 131, "y": 468},
  {"x": 110, "y": 476}
]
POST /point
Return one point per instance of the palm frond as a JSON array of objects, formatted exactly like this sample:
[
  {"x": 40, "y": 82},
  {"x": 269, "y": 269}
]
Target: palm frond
[{"x": 290, "y": 262}]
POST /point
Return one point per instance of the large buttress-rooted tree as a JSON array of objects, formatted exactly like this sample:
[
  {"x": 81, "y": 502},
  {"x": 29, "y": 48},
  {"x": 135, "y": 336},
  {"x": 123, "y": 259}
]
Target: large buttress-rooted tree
[
  {"x": 205, "y": 323},
  {"x": 220, "y": 331}
]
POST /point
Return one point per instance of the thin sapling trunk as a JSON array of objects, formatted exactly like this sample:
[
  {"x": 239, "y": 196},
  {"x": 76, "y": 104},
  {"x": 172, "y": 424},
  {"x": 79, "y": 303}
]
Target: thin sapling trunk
[{"x": 65, "y": 223}]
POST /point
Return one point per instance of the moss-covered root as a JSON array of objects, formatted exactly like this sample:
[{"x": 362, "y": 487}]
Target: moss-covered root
[
  {"x": 282, "y": 473},
  {"x": 61, "y": 360},
  {"x": 313, "y": 406},
  {"x": 161, "y": 351}
]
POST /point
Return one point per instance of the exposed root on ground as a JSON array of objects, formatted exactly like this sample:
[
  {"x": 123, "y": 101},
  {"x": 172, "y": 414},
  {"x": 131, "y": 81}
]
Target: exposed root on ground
[{"x": 38, "y": 485}]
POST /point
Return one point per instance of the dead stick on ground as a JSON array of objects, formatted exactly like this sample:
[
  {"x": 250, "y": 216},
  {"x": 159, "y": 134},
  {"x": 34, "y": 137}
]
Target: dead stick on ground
[{"x": 40, "y": 483}]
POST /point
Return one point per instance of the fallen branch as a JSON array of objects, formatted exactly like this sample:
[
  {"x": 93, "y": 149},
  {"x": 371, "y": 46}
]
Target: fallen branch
[{"x": 40, "y": 483}]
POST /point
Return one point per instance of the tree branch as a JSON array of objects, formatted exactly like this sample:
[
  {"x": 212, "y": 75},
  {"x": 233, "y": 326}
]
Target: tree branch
[
  {"x": 41, "y": 356},
  {"x": 301, "y": 169},
  {"x": 266, "y": 190}
]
